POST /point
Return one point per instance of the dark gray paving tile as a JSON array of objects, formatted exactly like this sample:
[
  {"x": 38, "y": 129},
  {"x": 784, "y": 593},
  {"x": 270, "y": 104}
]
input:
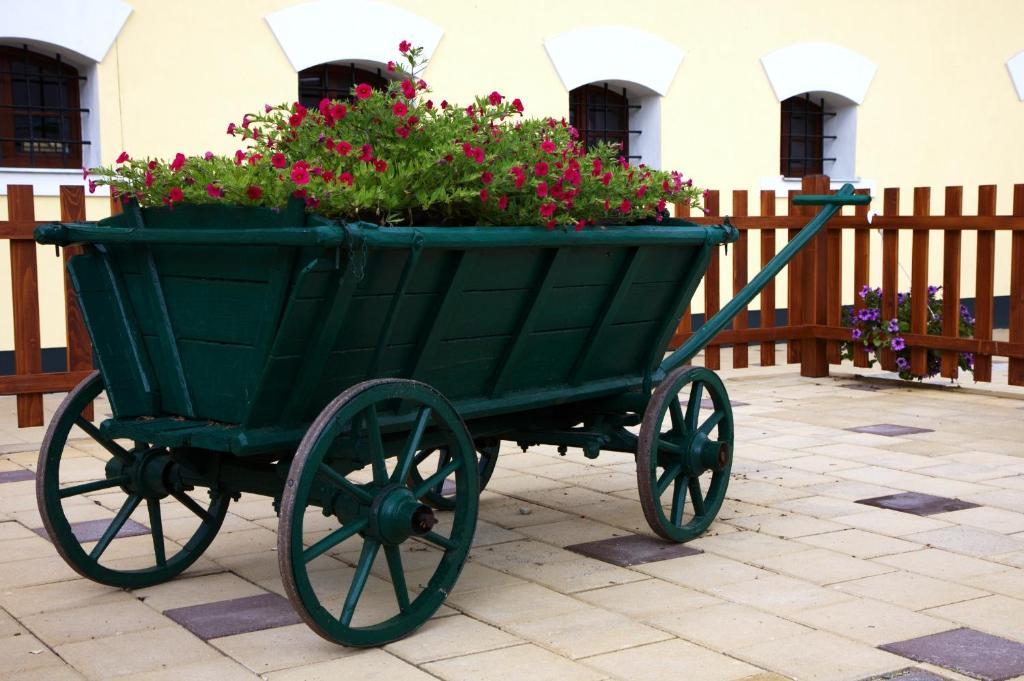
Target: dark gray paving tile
[
  {"x": 235, "y": 616},
  {"x": 866, "y": 387},
  {"x": 966, "y": 651},
  {"x": 633, "y": 549},
  {"x": 908, "y": 674},
  {"x": 890, "y": 429},
  {"x": 92, "y": 530},
  {"x": 16, "y": 476},
  {"x": 917, "y": 503},
  {"x": 708, "y": 404}
]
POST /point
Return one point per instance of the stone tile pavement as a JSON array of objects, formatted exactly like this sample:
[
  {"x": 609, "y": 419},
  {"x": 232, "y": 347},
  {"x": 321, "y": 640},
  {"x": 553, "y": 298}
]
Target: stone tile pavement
[{"x": 797, "y": 578}]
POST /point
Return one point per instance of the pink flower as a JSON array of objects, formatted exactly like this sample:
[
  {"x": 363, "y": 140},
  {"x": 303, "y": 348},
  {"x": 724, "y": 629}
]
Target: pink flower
[
  {"x": 606, "y": 178},
  {"x": 483, "y": 195},
  {"x": 494, "y": 99},
  {"x": 363, "y": 91},
  {"x": 503, "y": 202},
  {"x": 520, "y": 176},
  {"x": 404, "y": 46},
  {"x": 343, "y": 147},
  {"x": 239, "y": 157},
  {"x": 295, "y": 120},
  {"x": 444, "y": 103},
  {"x": 339, "y": 111},
  {"x": 478, "y": 154},
  {"x": 214, "y": 191},
  {"x": 408, "y": 89},
  {"x": 540, "y": 169},
  {"x": 598, "y": 167},
  {"x": 641, "y": 190},
  {"x": 254, "y": 158},
  {"x": 231, "y": 128},
  {"x": 625, "y": 206},
  {"x": 402, "y": 131},
  {"x": 123, "y": 157},
  {"x": 367, "y": 155},
  {"x": 92, "y": 187},
  {"x": 661, "y": 205},
  {"x": 178, "y": 162},
  {"x": 246, "y": 121},
  {"x": 149, "y": 179},
  {"x": 547, "y": 209},
  {"x": 267, "y": 108},
  {"x": 208, "y": 156},
  {"x": 429, "y": 104},
  {"x": 542, "y": 190},
  {"x": 85, "y": 173},
  {"x": 345, "y": 178},
  {"x": 391, "y": 66},
  {"x": 175, "y": 195},
  {"x": 253, "y": 192},
  {"x": 152, "y": 165},
  {"x": 278, "y": 160},
  {"x": 325, "y": 107},
  {"x": 300, "y": 173},
  {"x": 380, "y": 165},
  {"x": 399, "y": 109},
  {"x": 517, "y": 104},
  {"x": 486, "y": 177},
  {"x": 548, "y": 147}
]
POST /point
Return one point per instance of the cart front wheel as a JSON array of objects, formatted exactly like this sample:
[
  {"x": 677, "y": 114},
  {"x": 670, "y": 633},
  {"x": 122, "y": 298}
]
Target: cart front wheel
[
  {"x": 349, "y": 497},
  {"x": 123, "y": 521},
  {"x": 684, "y": 454}
]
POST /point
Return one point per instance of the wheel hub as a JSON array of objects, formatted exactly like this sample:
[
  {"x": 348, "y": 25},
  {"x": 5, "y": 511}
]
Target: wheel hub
[
  {"x": 705, "y": 454},
  {"x": 147, "y": 472},
  {"x": 397, "y": 515}
]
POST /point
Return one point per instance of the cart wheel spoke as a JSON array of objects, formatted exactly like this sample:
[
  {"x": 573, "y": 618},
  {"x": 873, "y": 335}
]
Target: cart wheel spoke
[
  {"x": 86, "y": 487},
  {"x": 678, "y": 500},
  {"x": 437, "y": 479},
  {"x": 380, "y": 467},
  {"x": 394, "y": 558},
  {"x": 693, "y": 406},
  {"x": 411, "y": 445},
  {"x": 156, "y": 529},
  {"x": 711, "y": 423},
  {"x": 423, "y": 456},
  {"x": 190, "y": 503},
  {"x": 129, "y": 505},
  {"x": 696, "y": 496},
  {"x": 341, "y": 481},
  {"x": 437, "y": 540},
  {"x": 675, "y": 410},
  {"x": 333, "y": 539},
  {"x": 362, "y": 573},
  {"x": 670, "y": 447},
  {"x": 667, "y": 477},
  {"x": 101, "y": 439}
]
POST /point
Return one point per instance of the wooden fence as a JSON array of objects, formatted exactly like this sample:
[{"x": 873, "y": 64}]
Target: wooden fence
[{"x": 813, "y": 329}]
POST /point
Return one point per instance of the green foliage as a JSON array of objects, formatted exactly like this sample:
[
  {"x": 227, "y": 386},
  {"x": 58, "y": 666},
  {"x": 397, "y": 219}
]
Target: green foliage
[{"x": 393, "y": 156}]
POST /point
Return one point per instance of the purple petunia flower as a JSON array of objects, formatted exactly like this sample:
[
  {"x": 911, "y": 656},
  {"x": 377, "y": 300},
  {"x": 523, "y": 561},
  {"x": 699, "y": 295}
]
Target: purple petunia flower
[
  {"x": 864, "y": 314},
  {"x": 894, "y": 326},
  {"x": 897, "y": 343},
  {"x": 932, "y": 290},
  {"x": 856, "y": 334},
  {"x": 864, "y": 291},
  {"x": 902, "y": 363},
  {"x": 901, "y": 298}
]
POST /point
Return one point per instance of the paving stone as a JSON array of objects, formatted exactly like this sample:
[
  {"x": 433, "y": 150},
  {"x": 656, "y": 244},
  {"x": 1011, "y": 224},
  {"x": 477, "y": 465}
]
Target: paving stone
[
  {"x": 889, "y": 429},
  {"x": 917, "y": 503},
  {"x": 860, "y": 544},
  {"x": 820, "y": 656},
  {"x": 942, "y": 564},
  {"x": 703, "y": 571},
  {"x": 16, "y": 476},
  {"x": 663, "y": 662},
  {"x": 648, "y": 599},
  {"x": 779, "y": 594},
  {"x": 996, "y": 614},
  {"x": 66, "y": 625},
  {"x": 366, "y": 665},
  {"x": 528, "y": 661},
  {"x": 729, "y": 626},
  {"x": 633, "y": 550},
  {"x": 973, "y": 541},
  {"x": 822, "y": 567},
  {"x": 587, "y": 632},
  {"x": 235, "y": 616},
  {"x": 909, "y": 674},
  {"x": 870, "y": 622},
  {"x": 439, "y": 639},
  {"x": 92, "y": 530},
  {"x": 269, "y": 650},
  {"x": 912, "y": 591},
  {"x": 134, "y": 652},
  {"x": 222, "y": 669},
  {"x": 975, "y": 653}
]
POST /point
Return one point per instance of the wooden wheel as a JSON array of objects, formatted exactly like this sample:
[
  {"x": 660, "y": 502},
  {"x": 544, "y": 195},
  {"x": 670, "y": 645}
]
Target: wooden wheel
[
  {"x": 134, "y": 480},
  {"x": 683, "y": 458},
  {"x": 434, "y": 459},
  {"x": 375, "y": 511}
]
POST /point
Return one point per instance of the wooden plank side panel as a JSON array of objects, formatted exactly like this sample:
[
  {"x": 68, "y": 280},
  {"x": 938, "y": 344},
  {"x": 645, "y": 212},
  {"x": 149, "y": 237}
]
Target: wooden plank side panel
[
  {"x": 79, "y": 348},
  {"x": 712, "y": 302},
  {"x": 985, "y": 282},
  {"x": 1016, "y": 368},
  {"x": 682, "y": 210},
  {"x": 740, "y": 355},
  {"x": 813, "y": 356},
  {"x": 795, "y": 282},
  {"x": 890, "y": 263},
  {"x": 861, "y": 274},
  {"x": 28, "y": 358},
  {"x": 919, "y": 312},
  {"x": 768, "y": 292},
  {"x": 951, "y": 242}
]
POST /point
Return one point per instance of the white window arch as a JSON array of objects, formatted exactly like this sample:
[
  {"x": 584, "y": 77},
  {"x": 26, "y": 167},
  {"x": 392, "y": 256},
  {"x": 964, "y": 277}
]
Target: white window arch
[
  {"x": 640, "y": 63},
  {"x": 829, "y": 74},
  {"x": 82, "y": 36},
  {"x": 1015, "y": 65}
]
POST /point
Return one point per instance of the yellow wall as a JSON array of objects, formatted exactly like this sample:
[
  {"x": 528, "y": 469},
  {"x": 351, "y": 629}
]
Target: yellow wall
[{"x": 941, "y": 109}]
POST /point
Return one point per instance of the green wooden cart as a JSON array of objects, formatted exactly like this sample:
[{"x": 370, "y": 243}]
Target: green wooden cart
[{"x": 364, "y": 378}]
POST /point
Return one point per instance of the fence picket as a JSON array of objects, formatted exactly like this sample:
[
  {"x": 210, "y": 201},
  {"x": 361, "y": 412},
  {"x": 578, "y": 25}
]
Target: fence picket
[
  {"x": 28, "y": 357},
  {"x": 861, "y": 274},
  {"x": 794, "y": 283},
  {"x": 1016, "y": 368},
  {"x": 985, "y": 283},
  {"x": 78, "y": 347},
  {"x": 919, "y": 280},
  {"x": 712, "y": 353},
  {"x": 768, "y": 293},
  {"x": 740, "y": 352},
  {"x": 890, "y": 262},
  {"x": 951, "y": 242}
]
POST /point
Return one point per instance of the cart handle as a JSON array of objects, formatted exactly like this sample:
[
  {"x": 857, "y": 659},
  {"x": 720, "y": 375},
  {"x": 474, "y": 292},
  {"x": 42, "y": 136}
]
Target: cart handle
[
  {"x": 831, "y": 204},
  {"x": 65, "y": 234}
]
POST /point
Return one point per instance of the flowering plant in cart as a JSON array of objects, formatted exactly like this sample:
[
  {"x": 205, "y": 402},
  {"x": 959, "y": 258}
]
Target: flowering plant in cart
[{"x": 396, "y": 156}]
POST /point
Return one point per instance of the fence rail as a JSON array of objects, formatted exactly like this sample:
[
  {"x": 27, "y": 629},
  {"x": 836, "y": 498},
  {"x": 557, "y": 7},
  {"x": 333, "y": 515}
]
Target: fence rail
[{"x": 813, "y": 330}]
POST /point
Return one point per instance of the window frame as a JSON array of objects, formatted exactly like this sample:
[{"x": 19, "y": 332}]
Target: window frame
[
  {"x": 813, "y": 137},
  {"x": 333, "y": 72},
  {"x": 580, "y": 98}
]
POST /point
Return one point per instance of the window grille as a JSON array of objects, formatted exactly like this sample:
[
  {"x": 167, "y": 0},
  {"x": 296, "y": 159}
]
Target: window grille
[
  {"x": 602, "y": 115},
  {"x": 40, "y": 111},
  {"x": 803, "y": 136},
  {"x": 334, "y": 81}
]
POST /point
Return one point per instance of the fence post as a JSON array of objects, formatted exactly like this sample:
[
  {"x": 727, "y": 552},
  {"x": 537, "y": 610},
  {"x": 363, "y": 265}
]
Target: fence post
[{"x": 813, "y": 351}]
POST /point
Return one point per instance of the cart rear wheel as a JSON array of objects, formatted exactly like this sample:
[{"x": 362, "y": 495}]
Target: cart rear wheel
[
  {"x": 117, "y": 503},
  {"x": 684, "y": 456},
  {"x": 429, "y": 461},
  {"x": 356, "y": 468}
]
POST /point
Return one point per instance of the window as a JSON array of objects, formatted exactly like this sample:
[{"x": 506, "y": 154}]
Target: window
[
  {"x": 803, "y": 137},
  {"x": 40, "y": 114},
  {"x": 601, "y": 114},
  {"x": 334, "y": 81}
]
